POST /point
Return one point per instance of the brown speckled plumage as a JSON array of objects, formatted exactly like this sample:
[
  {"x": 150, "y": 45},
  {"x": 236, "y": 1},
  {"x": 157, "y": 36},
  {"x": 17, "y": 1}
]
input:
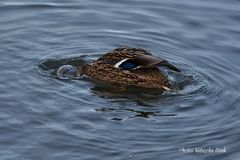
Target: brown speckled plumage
[{"x": 147, "y": 76}]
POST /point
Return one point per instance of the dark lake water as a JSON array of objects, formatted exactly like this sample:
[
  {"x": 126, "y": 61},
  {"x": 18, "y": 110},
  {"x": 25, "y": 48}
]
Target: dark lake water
[{"x": 43, "y": 117}]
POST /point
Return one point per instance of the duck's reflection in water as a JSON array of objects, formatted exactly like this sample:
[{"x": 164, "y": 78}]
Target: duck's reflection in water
[{"x": 133, "y": 101}]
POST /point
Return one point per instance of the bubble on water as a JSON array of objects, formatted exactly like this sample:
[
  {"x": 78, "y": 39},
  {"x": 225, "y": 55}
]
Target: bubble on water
[{"x": 67, "y": 71}]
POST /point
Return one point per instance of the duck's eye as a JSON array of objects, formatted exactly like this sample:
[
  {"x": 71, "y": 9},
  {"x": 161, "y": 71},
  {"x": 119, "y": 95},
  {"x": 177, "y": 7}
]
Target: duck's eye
[
  {"x": 127, "y": 65},
  {"x": 67, "y": 70}
]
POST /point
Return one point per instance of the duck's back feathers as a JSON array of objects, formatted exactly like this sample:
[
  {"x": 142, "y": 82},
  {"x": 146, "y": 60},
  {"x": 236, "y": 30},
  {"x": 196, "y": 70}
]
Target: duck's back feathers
[{"x": 119, "y": 54}]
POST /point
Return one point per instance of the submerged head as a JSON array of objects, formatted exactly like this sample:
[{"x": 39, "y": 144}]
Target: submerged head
[{"x": 67, "y": 71}]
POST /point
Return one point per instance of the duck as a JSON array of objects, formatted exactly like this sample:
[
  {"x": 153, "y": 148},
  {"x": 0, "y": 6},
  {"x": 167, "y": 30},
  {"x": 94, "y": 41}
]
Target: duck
[{"x": 126, "y": 67}]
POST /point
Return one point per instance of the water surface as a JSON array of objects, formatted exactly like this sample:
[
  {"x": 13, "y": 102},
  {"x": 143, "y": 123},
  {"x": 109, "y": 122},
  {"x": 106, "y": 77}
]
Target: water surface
[{"x": 43, "y": 117}]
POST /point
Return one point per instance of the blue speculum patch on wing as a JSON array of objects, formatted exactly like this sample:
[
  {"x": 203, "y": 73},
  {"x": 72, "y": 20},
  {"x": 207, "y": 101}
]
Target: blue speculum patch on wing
[{"x": 128, "y": 65}]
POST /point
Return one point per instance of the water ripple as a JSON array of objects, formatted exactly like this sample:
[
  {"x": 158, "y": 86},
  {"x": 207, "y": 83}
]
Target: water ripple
[{"x": 44, "y": 117}]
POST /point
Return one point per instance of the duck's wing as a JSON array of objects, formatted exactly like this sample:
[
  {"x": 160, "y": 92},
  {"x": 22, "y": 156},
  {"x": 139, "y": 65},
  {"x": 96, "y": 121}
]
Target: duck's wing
[
  {"x": 130, "y": 58},
  {"x": 148, "y": 61}
]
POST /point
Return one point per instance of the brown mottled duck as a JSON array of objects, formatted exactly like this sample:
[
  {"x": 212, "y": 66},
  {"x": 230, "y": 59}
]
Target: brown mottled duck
[{"x": 128, "y": 67}]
